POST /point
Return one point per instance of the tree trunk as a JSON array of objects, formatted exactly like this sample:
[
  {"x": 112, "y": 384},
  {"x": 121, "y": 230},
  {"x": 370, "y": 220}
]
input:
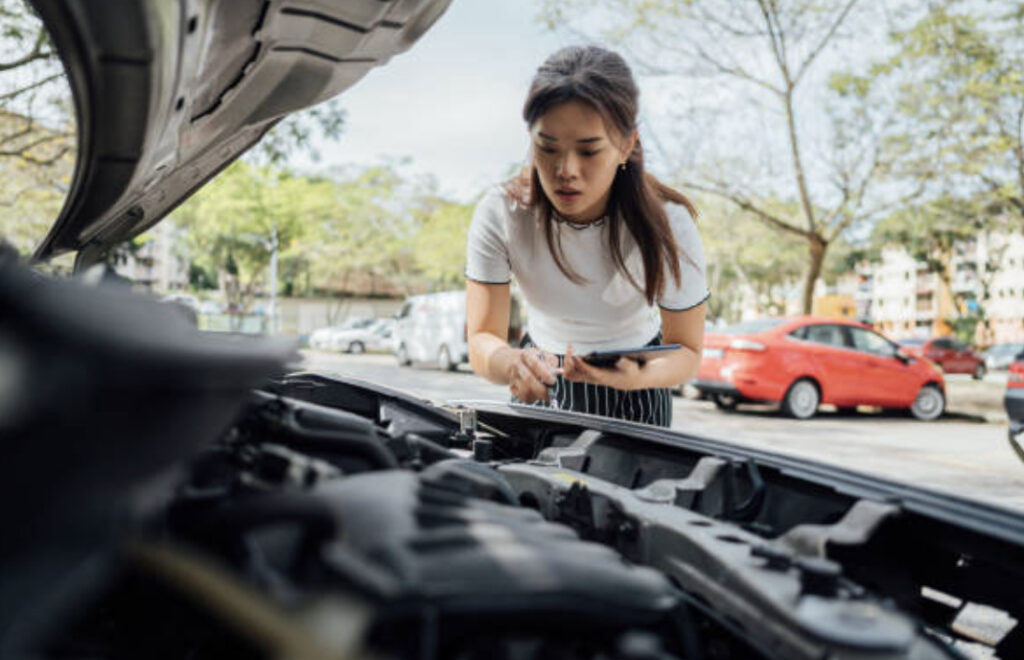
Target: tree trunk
[{"x": 817, "y": 247}]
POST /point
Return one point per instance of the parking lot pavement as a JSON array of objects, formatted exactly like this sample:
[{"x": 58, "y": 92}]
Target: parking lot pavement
[{"x": 962, "y": 453}]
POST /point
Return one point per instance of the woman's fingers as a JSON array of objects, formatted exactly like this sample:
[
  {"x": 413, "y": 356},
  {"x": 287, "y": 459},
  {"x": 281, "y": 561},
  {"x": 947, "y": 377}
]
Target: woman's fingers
[
  {"x": 540, "y": 367},
  {"x": 531, "y": 377}
]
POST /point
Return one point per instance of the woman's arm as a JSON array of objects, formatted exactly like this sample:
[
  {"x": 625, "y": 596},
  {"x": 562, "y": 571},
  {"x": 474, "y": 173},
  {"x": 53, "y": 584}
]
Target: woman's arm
[
  {"x": 488, "y": 307},
  {"x": 685, "y": 328}
]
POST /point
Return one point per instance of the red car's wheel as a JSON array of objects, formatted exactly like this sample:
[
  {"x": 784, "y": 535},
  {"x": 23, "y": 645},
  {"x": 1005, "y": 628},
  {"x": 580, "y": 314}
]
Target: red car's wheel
[
  {"x": 802, "y": 399},
  {"x": 724, "y": 401},
  {"x": 929, "y": 403}
]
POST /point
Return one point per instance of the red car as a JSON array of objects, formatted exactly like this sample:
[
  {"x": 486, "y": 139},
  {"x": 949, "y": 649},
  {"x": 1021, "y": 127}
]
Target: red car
[
  {"x": 1014, "y": 402},
  {"x": 801, "y": 362},
  {"x": 951, "y": 355}
]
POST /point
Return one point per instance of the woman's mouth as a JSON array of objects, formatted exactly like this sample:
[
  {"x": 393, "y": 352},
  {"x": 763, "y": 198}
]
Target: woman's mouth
[{"x": 567, "y": 194}]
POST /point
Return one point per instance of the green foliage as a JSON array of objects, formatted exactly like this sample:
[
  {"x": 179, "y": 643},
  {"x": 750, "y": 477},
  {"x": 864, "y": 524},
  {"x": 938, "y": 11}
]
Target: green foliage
[
  {"x": 762, "y": 265},
  {"x": 363, "y": 224},
  {"x": 960, "y": 74},
  {"x": 440, "y": 244},
  {"x": 233, "y": 222}
]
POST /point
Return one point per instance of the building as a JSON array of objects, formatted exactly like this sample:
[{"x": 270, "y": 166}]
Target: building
[
  {"x": 986, "y": 275},
  {"x": 158, "y": 265},
  {"x": 1004, "y": 304},
  {"x": 893, "y": 306}
]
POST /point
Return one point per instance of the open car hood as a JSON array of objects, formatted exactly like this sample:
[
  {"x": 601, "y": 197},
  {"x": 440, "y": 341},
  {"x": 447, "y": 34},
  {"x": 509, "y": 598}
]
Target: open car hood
[{"x": 169, "y": 93}]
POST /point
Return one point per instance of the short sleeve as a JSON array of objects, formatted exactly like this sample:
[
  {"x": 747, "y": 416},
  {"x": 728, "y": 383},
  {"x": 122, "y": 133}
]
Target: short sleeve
[
  {"x": 487, "y": 247},
  {"x": 693, "y": 286}
]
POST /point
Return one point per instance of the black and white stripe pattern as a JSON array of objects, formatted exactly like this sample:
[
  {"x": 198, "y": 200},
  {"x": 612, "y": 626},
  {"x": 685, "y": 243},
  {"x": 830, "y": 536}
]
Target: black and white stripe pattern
[{"x": 650, "y": 406}]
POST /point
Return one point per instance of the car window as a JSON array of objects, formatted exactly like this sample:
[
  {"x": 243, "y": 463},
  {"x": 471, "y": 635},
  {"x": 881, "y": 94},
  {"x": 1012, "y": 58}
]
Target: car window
[
  {"x": 799, "y": 333},
  {"x": 830, "y": 335},
  {"x": 869, "y": 342},
  {"x": 941, "y": 343},
  {"x": 751, "y": 327},
  {"x": 404, "y": 311}
]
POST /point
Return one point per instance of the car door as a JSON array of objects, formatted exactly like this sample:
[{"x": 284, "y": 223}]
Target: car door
[
  {"x": 886, "y": 380},
  {"x": 942, "y": 354},
  {"x": 965, "y": 361},
  {"x": 837, "y": 365}
]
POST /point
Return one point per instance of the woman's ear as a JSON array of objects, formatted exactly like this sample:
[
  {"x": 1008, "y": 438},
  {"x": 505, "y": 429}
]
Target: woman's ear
[{"x": 631, "y": 145}]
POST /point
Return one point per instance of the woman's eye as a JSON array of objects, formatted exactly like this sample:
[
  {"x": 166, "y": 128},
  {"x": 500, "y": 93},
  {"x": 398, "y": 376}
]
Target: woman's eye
[
  {"x": 547, "y": 150},
  {"x": 590, "y": 152}
]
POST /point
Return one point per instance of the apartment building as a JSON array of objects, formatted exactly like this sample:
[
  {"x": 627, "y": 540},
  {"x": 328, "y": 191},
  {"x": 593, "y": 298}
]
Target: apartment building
[
  {"x": 908, "y": 300},
  {"x": 893, "y": 293},
  {"x": 157, "y": 266},
  {"x": 1004, "y": 305}
]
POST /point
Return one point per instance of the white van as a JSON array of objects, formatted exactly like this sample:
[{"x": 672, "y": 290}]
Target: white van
[{"x": 432, "y": 328}]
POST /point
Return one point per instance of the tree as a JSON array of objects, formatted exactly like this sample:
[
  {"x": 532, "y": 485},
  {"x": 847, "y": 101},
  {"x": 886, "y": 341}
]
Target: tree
[
  {"x": 234, "y": 222},
  {"x": 769, "y": 62},
  {"x": 960, "y": 69},
  {"x": 763, "y": 264},
  {"x": 440, "y": 243},
  {"x": 37, "y": 135},
  {"x": 368, "y": 235}
]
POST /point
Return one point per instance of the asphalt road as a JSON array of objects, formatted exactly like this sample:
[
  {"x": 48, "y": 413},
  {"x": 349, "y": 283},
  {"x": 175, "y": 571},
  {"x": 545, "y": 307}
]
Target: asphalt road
[{"x": 961, "y": 453}]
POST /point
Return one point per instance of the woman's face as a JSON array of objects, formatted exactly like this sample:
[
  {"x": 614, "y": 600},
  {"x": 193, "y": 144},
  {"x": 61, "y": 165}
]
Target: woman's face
[{"x": 576, "y": 159}]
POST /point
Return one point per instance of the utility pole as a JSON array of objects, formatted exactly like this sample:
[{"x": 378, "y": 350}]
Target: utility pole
[{"x": 273, "y": 280}]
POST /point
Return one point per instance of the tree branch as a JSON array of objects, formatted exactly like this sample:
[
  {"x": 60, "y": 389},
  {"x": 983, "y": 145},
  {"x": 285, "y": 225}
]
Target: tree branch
[
  {"x": 736, "y": 71},
  {"x": 824, "y": 41},
  {"x": 39, "y": 83},
  {"x": 36, "y": 53},
  {"x": 744, "y": 203}
]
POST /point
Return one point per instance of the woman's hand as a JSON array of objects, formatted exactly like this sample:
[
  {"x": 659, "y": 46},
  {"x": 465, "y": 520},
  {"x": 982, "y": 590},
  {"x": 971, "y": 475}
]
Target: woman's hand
[
  {"x": 531, "y": 374},
  {"x": 623, "y": 376}
]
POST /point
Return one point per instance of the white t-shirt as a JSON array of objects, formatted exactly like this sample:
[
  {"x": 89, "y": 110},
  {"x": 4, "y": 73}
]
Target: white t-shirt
[{"x": 605, "y": 312}]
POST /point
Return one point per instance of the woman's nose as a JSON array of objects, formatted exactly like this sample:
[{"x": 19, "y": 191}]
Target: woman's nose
[{"x": 567, "y": 166}]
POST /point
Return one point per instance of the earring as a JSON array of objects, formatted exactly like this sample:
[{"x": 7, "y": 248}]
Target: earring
[{"x": 622, "y": 166}]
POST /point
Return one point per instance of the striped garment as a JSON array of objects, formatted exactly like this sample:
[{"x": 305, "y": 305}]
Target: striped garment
[{"x": 650, "y": 406}]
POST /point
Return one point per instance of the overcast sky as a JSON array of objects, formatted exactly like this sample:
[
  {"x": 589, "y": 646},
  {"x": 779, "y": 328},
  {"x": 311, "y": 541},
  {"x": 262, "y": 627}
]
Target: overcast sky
[
  {"x": 452, "y": 105},
  {"x": 452, "y": 102}
]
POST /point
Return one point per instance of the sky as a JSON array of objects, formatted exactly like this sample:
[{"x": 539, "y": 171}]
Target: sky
[{"x": 452, "y": 102}]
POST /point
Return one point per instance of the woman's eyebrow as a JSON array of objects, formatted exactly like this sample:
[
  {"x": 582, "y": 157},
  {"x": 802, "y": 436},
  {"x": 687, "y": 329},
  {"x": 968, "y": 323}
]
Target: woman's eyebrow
[{"x": 550, "y": 138}]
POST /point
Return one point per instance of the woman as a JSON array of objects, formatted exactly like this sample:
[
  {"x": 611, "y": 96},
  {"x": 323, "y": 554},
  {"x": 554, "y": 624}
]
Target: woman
[{"x": 606, "y": 256}]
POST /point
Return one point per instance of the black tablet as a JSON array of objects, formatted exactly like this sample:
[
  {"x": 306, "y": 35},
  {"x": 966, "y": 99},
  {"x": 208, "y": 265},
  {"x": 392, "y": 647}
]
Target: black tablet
[{"x": 640, "y": 354}]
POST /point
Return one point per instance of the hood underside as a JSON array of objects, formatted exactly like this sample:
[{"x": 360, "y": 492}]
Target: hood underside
[{"x": 169, "y": 93}]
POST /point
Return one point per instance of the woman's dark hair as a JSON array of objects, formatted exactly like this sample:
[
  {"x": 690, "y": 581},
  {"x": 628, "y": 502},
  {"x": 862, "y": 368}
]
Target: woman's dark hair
[{"x": 601, "y": 79}]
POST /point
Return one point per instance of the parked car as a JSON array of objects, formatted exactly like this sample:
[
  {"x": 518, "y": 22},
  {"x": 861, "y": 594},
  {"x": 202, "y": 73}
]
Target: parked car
[
  {"x": 1013, "y": 400},
  {"x": 952, "y": 356},
  {"x": 1000, "y": 356},
  {"x": 364, "y": 334},
  {"x": 325, "y": 338},
  {"x": 432, "y": 328},
  {"x": 801, "y": 362},
  {"x": 173, "y": 494}
]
